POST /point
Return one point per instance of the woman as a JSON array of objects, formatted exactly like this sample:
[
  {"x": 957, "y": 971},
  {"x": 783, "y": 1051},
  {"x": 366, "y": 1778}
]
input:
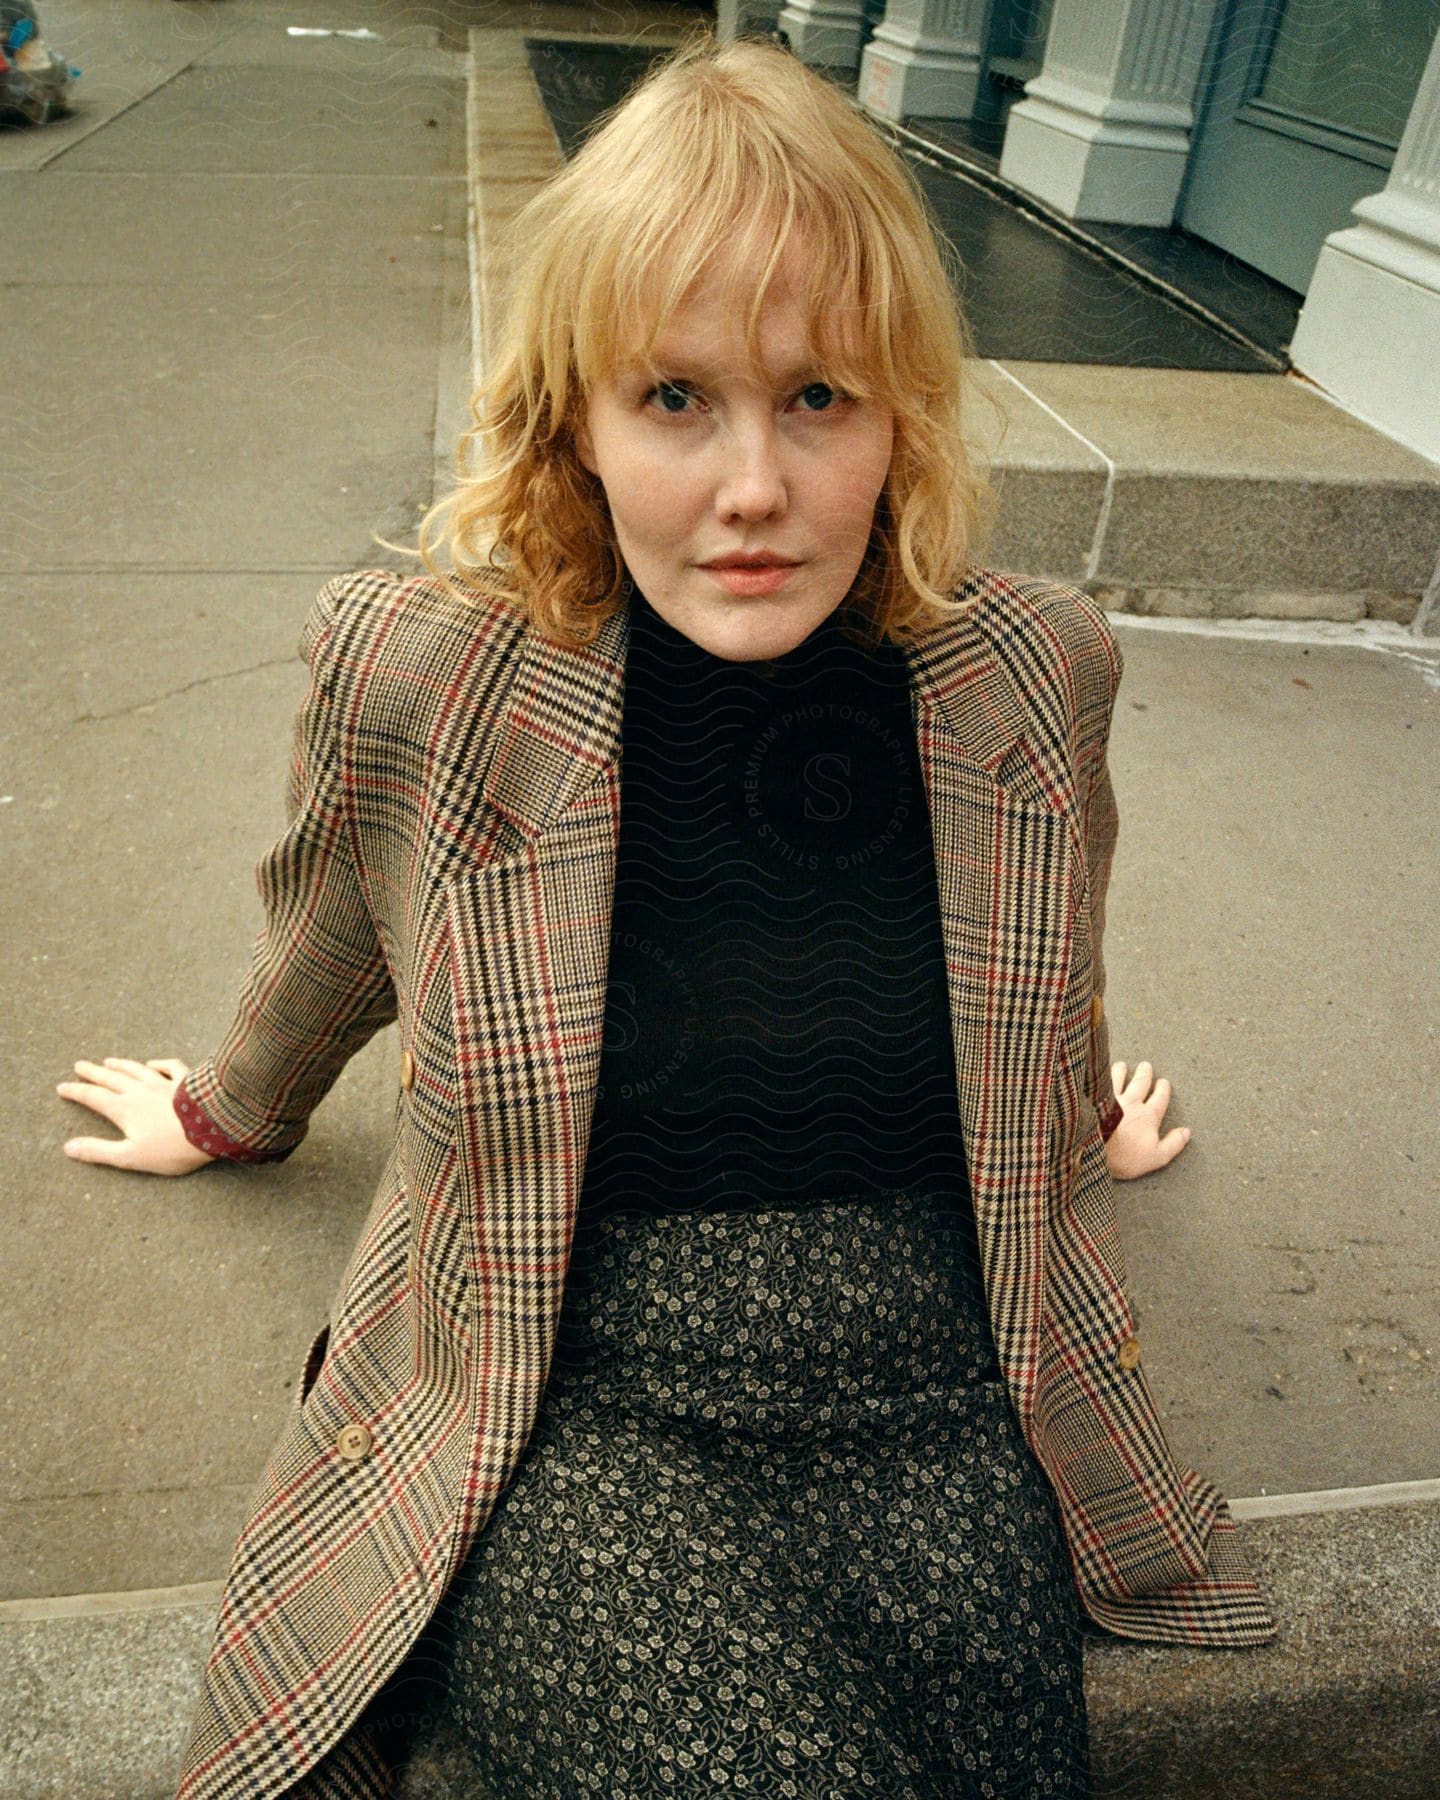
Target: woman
[{"x": 711, "y": 1400}]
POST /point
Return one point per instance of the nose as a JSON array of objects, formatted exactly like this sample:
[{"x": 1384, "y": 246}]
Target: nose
[{"x": 752, "y": 484}]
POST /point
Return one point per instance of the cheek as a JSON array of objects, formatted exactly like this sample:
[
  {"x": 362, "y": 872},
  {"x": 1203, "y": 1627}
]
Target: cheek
[
  {"x": 655, "y": 508},
  {"x": 881, "y": 455},
  {"x": 858, "y": 484},
  {"x": 646, "y": 506},
  {"x": 633, "y": 478},
  {"x": 612, "y": 450}
]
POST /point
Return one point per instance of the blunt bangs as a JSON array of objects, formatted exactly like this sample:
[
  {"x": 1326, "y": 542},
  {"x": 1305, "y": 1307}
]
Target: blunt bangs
[
  {"x": 719, "y": 165},
  {"x": 846, "y": 332}
]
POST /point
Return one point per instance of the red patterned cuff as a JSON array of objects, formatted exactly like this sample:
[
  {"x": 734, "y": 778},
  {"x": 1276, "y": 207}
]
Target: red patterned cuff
[
  {"x": 206, "y": 1135},
  {"x": 1110, "y": 1117}
]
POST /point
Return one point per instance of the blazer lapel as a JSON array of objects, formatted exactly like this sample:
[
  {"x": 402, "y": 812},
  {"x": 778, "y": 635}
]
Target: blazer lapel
[
  {"x": 1004, "y": 872},
  {"x": 561, "y": 729},
  {"x": 529, "y": 932}
]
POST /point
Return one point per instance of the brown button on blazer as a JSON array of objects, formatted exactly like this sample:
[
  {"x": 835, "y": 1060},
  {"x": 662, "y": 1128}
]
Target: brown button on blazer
[{"x": 450, "y": 859}]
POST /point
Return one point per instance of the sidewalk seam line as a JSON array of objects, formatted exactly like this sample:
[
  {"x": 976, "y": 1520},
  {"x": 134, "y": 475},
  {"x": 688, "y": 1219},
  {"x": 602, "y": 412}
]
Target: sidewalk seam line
[
  {"x": 207, "y": 1593},
  {"x": 1380, "y": 635},
  {"x": 1328, "y": 1500},
  {"x": 106, "y": 1605},
  {"x": 1102, "y": 518},
  {"x": 129, "y": 107}
]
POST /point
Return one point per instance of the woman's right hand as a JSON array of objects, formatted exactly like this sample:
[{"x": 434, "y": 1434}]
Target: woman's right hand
[{"x": 139, "y": 1101}]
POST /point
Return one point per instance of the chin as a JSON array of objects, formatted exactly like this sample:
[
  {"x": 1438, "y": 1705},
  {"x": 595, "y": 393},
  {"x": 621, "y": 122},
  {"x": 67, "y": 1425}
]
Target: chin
[{"x": 751, "y": 631}]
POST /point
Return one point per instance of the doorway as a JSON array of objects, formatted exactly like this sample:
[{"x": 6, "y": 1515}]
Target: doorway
[{"x": 1307, "y": 101}]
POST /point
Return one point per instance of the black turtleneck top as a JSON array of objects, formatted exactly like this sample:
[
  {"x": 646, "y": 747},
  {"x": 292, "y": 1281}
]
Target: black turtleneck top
[{"x": 777, "y": 1023}]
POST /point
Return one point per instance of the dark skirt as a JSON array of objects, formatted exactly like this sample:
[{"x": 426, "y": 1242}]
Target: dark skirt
[{"x": 777, "y": 1531}]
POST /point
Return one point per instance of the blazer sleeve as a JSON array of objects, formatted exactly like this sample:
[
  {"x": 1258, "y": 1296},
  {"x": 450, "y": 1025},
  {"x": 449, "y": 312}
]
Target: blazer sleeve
[
  {"x": 1100, "y": 824},
  {"x": 319, "y": 986}
]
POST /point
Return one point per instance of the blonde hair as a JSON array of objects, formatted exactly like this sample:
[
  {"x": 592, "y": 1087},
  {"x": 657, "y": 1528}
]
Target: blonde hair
[{"x": 719, "y": 159}]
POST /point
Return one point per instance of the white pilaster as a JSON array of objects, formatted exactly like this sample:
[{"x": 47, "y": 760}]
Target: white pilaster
[
  {"x": 924, "y": 60},
  {"x": 825, "y": 33},
  {"x": 1104, "y": 129},
  {"x": 1369, "y": 331},
  {"x": 745, "y": 18}
]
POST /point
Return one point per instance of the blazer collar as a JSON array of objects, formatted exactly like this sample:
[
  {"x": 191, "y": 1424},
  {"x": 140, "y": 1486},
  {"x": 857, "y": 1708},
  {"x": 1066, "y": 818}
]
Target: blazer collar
[{"x": 560, "y": 730}]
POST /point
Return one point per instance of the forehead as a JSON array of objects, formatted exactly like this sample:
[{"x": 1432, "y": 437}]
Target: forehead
[
  {"x": 746, "y": 308},
  {"x": 713, "y": 327}
]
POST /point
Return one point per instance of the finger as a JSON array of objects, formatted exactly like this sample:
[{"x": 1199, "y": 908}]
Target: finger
[
  {"x": 98, "y": 1150},
  {"x": 1172, "y": 1144},
  {"x": 1141, "y": 1079},
  {"x": 1159, "y": 1100},
  {"x": 100, "y": 1075},
  {"x": 99, "y": 1100},
  {"x": 128, "y": 1066},
  {"x": 169, "y": 1066},
  {"x": 1117, "y": 1076}
]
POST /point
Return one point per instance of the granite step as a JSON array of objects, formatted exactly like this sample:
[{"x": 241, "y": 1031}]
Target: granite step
[{"x": 1344, "y": 1705}]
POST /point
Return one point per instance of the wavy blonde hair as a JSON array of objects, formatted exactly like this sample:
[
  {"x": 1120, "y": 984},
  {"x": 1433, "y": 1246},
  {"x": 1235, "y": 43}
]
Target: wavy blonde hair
[{"x": 718, "y": 160}]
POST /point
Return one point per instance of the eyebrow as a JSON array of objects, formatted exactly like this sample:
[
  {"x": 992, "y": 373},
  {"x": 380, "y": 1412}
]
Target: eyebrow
[{"x": 665, "y": 361}]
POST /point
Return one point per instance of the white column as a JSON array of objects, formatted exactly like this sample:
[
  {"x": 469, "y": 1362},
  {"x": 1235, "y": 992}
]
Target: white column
[
  {"x": 1104, "y": 129},
  {"x": 826, "y": 33},
  {"x": 1369, "y": 331},
  {"x": 745, "y": 18},
  {"x": 924, "y": 60}
]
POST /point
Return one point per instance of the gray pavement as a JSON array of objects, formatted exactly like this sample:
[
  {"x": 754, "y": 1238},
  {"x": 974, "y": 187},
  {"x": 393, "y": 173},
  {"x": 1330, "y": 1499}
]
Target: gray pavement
[
  {"x": 244, "y": 302},
  {"x": 1274, "y": 946},
  {"x": 243, "y": 298}
]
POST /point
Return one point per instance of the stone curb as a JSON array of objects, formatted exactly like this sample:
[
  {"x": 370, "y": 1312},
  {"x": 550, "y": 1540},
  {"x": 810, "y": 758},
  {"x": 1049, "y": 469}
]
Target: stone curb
[{"x": 1345, "y": 1705}]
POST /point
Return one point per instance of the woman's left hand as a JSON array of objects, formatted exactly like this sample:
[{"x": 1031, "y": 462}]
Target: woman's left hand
[{"x": 1135, "y": 1147}]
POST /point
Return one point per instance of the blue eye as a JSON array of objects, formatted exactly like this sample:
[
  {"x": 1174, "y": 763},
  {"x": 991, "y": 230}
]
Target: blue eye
[
  {"x": 818, "y": 395},
  {"x": 671, "y": 396}
]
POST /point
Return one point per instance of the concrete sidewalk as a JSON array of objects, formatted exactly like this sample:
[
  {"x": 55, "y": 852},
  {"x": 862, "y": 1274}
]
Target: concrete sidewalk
[{"x": 244, "y": 292}]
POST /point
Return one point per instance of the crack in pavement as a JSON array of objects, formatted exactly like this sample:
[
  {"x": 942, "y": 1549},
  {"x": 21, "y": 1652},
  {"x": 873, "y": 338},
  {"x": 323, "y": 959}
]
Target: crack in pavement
[{"x": 120, "y": 712}]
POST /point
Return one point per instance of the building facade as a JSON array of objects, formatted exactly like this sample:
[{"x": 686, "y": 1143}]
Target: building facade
[{"x": 1300, "y": 136}]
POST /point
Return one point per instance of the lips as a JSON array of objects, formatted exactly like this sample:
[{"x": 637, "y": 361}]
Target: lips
[
  {"x": 751, "y": 559},
  {"x": 748, "y": 573}
]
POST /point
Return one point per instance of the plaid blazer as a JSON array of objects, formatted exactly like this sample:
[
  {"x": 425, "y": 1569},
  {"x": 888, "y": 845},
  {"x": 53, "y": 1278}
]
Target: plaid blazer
[{"x": 450, "y": 860}]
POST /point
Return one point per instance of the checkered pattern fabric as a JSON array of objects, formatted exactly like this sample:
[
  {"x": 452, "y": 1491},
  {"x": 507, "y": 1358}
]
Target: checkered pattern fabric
[{"x": 450, "y": 861}]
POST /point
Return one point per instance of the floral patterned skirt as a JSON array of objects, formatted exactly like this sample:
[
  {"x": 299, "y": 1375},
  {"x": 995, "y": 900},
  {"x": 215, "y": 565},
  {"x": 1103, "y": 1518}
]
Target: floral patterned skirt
[{"x": 777, "y": 1531}]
